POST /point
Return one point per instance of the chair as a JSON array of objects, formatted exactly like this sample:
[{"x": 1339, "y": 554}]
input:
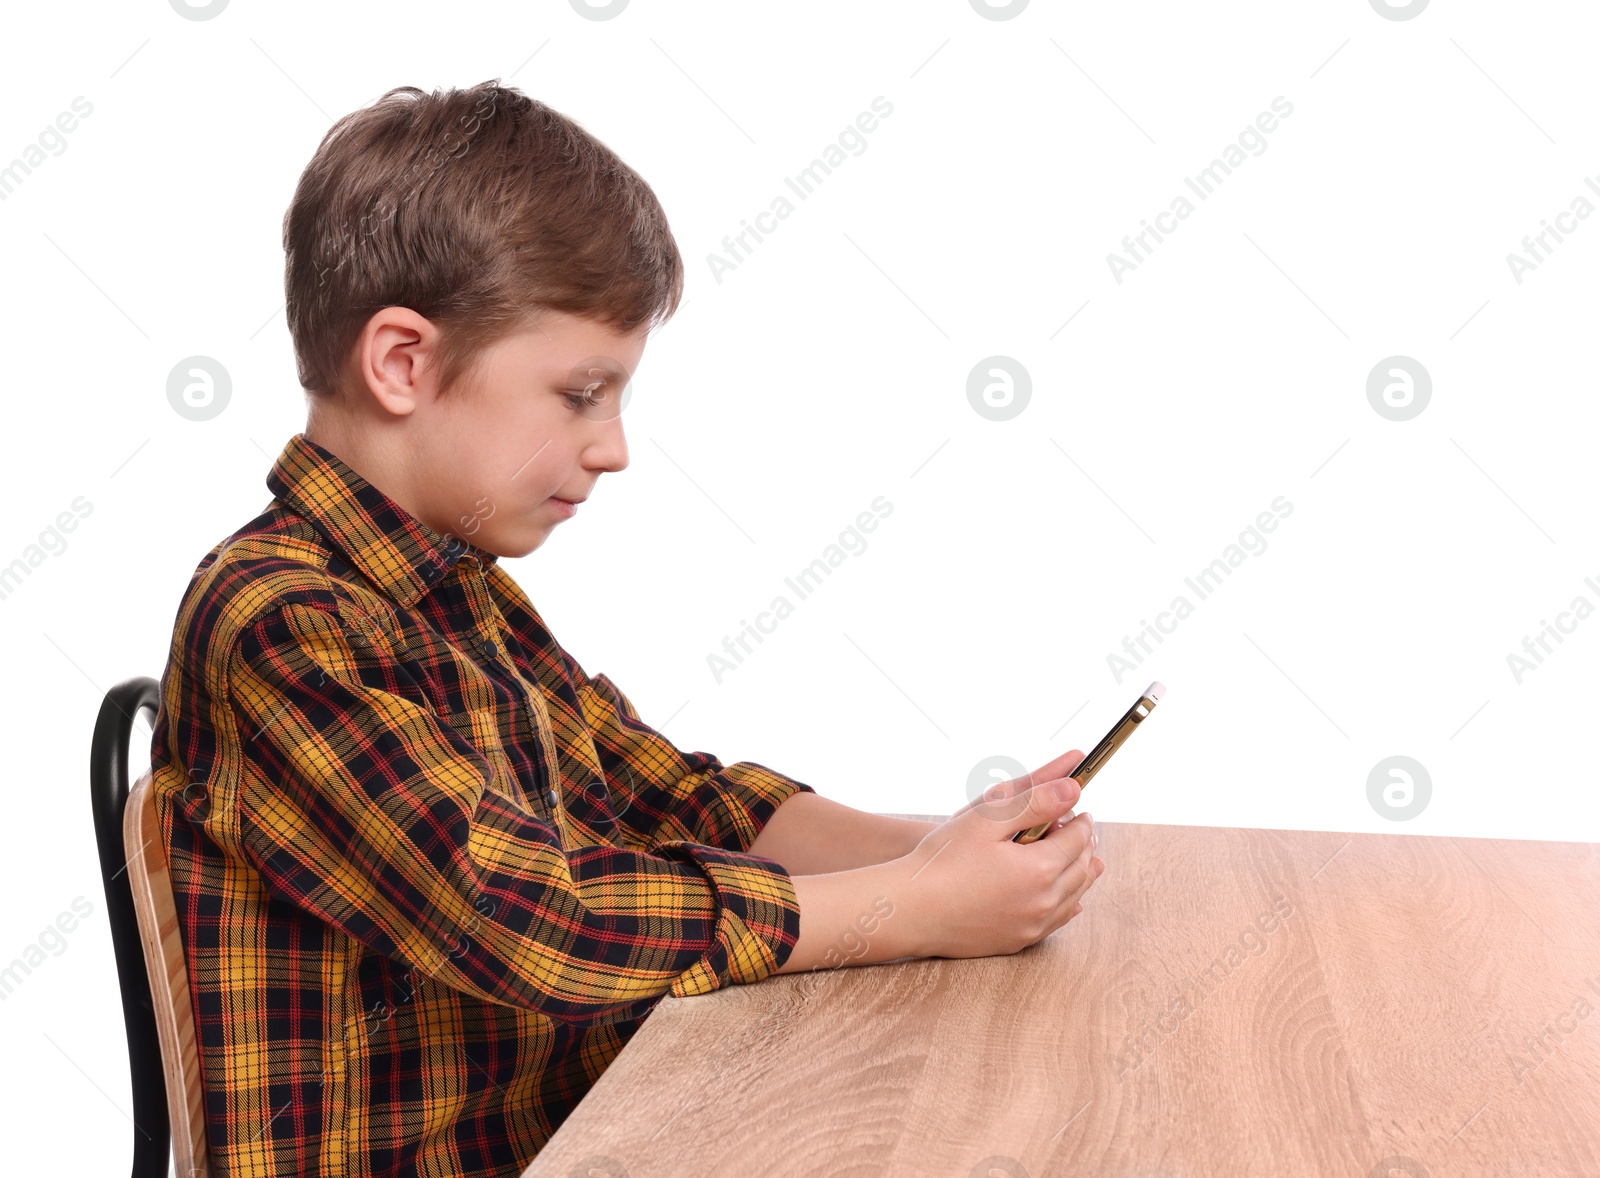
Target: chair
[{"x": 163, "y": 1053}]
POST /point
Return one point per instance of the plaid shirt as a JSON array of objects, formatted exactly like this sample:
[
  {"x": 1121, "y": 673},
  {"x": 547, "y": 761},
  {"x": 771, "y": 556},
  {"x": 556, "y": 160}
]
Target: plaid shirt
[{"x": 430, "y": 876}]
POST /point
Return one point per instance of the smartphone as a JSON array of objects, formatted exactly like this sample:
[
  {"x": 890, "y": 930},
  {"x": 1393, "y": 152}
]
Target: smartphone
[{"x": 1101, "y": 753}]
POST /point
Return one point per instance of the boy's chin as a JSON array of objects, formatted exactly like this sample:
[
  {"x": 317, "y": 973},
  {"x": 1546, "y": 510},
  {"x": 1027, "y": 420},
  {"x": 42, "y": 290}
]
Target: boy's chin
[{"x": 518, "y": 545}]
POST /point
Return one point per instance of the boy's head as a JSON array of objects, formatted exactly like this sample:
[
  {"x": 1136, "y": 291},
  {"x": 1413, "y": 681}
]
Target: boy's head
[{"x": 470, "y": 280}]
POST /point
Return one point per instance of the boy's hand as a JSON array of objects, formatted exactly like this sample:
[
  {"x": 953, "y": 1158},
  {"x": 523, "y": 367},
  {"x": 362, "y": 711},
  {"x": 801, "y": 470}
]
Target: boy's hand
[
  {"x": 972, "y": 892},
  {"x": 1062, "y": 766}
]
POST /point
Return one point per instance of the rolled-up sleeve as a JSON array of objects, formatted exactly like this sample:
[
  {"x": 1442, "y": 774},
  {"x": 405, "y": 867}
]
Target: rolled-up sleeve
[
  {"x": 664, "y": 794},
  {"x": 357, "y": 804}
]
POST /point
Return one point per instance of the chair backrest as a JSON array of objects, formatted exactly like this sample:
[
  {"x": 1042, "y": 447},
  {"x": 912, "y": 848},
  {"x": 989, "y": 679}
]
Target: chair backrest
[
  {"x": 169, "y": 978},
  {"x": 152, "y": 1018}
]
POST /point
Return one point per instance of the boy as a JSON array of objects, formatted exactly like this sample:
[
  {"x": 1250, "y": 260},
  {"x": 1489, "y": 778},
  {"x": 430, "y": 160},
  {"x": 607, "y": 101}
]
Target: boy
[{"x": 431, "y": 875}]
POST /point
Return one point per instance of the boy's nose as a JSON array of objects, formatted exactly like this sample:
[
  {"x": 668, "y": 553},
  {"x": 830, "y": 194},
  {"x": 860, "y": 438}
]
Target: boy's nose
[{"x": 610, "y": 453}]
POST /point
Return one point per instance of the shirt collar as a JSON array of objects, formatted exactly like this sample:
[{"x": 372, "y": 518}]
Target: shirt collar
[{"x": 402, "y": 556}]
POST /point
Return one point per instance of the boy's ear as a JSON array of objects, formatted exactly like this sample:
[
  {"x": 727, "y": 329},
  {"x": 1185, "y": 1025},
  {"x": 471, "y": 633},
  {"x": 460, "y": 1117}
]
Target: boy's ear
[{"x": 395, "y": 360}]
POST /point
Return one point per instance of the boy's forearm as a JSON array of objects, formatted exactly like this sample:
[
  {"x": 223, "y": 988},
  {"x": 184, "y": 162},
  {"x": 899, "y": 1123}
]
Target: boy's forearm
[
  {"x": 855, "y": 917},
  {"x": 813, "y": 835}
]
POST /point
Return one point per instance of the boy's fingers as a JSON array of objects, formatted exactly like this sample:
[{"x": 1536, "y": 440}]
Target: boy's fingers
[
  {"x": 1032, "y": 807},
  {"x": 1076, "y": 844},
  {"x": 1085, "y": 858},
  {"x": 1003, "y": 803},
  {"x": 1084, "y": 873},
  {"x": 1001, "y": 791},
  {"x": 1062, "y": 766},
  {"x": 1075, "y": 881}
]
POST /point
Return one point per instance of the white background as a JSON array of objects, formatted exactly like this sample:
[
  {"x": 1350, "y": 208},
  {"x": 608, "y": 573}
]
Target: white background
[{"x": 831, "y": 367}]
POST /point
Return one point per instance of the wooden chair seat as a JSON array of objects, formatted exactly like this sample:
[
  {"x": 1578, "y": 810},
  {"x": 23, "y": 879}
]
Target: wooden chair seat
[{"x": 169, "y": 979}]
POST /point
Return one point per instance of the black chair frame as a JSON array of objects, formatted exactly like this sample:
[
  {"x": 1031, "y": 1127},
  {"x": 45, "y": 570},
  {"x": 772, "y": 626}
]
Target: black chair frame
[{"x": 109, "y": 782}]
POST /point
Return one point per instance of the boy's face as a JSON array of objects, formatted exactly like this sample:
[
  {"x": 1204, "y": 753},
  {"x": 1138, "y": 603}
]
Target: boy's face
[{"x": 492, "y": 460}]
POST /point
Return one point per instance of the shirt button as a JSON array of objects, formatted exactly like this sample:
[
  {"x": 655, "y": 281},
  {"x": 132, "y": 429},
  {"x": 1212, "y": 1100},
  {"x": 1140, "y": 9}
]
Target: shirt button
[
  {"x": 490, "y": 649},
  {"x": 553, "y": 799}
]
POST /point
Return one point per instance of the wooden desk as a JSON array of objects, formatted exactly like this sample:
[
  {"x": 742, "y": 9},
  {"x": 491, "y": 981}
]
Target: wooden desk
[{"x": 1231, "y": 1002}]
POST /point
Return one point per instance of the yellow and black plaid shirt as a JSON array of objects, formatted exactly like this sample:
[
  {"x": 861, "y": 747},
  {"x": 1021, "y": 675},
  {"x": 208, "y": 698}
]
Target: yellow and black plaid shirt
[{"x": 430, "y": 876}]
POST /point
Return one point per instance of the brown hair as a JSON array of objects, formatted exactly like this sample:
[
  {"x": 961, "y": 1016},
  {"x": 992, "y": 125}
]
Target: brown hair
[{"x": 475, "y": 208}]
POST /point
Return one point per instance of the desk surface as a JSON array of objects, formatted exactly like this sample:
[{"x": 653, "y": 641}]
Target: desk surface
[{"x": 1230, "y": 1002}]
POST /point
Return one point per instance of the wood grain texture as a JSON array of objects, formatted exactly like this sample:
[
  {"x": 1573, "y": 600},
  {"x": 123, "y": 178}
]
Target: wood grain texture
[{"x": 1231, "y": 1002}]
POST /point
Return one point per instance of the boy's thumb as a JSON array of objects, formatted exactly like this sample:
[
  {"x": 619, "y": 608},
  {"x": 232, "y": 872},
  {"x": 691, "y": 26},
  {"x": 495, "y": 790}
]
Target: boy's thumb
[{"x": 1045, "y": 802}]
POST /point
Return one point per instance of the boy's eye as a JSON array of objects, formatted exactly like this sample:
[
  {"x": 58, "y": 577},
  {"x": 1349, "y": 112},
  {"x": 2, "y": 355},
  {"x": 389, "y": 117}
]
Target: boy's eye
[
  {"x": 595, "y": 391},
  {"x": 592, "y": 398}
]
